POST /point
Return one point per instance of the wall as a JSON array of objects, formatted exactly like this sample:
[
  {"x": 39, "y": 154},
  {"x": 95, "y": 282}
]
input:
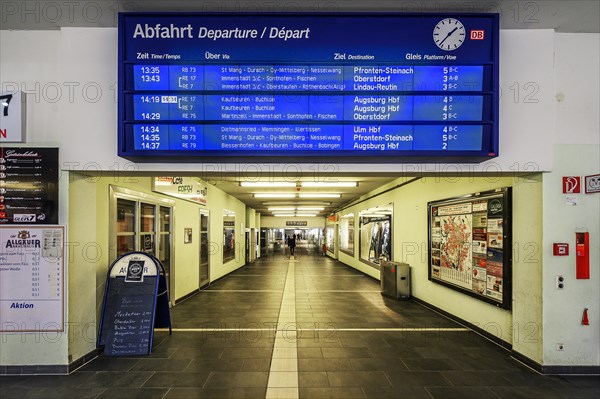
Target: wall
[
  {"x": 410, "y": 243},
  {"x": 47, "y": 348},
  {"x": 563, "y": 309},
  {"x": 70, "y": 77},
  {"x": 576, "y": 153},
  {"x": 89, "y": 236},
  {"x": 87, "y": 118}
]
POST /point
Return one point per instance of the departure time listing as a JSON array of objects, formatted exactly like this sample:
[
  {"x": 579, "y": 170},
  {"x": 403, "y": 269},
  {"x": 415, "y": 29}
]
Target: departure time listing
[{"x": 308, "y": 107}]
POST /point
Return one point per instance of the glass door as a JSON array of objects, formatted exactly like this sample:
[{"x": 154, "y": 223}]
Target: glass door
[
  {"x": 164, "y": 245},
  {"x": 147, "y": 228},
  {"x": 204, "y": 250},
  {"x": 125, "y": 226}
]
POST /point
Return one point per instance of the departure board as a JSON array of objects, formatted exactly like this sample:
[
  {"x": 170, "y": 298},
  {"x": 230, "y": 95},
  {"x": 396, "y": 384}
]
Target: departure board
[{"x": 345, "y": 87}]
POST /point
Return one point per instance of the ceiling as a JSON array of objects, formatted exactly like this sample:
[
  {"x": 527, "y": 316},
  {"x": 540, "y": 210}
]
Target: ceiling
[
  {"x": 348, "y": 194},
  {"x": 564, "y": 16}
]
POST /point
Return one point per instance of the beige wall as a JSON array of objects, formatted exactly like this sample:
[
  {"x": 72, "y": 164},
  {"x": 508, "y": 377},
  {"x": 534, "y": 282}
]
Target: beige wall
[
  {"x": 89, "y": 237},
  {"x": 410, "y": 245}
]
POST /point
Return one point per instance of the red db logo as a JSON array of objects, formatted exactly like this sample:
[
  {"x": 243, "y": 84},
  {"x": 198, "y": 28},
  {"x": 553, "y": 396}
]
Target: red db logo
[
  {"x": 477, "y": 35},
  {"x": 571, "y": 184}
]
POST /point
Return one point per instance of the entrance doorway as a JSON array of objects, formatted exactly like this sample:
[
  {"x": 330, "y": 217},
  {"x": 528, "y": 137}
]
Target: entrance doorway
[{"x": 204, "y": 249}]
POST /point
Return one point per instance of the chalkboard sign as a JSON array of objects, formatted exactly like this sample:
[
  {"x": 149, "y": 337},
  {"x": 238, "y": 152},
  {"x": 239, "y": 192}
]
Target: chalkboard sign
[{"x": 130, "y": 302}]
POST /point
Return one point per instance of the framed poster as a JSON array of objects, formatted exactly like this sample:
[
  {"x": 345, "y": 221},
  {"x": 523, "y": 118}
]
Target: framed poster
[{"x": 470, "y": 245}]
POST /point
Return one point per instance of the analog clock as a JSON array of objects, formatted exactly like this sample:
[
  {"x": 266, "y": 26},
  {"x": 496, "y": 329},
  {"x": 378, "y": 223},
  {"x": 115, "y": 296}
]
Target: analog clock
[{"x": 449, "y": 34}]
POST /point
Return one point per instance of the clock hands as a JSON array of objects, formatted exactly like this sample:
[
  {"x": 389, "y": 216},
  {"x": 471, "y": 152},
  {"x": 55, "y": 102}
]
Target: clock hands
[{"x": 448, "y": 35}]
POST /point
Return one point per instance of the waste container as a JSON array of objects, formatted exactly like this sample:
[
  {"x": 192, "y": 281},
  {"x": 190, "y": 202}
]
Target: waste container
[{"x": 395, "y": 280}]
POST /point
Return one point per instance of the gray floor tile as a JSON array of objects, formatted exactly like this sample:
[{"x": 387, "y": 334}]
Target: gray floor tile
[
  {"x": 331, "y": 393},
  {"x": 324, "y": 365},
  {"x": 166, "y": 379},
  {"x": 406, "y": 392},
  {"x": 224, "y": 379},
  {"x": 358, "y": 379},
  {"x": 417, "y": 378},
  {"x": 161, "y": 365},
  {"x": 210, "y": 393},
  {"x": 112, "y": 379},
  {"x": 461, "y": 392},
  {"x": 133, "y": 393},
  {"x": 313, "y": 379}
]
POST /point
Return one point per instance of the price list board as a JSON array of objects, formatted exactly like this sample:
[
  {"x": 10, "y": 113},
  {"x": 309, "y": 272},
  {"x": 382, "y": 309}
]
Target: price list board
[
  {"x": 31, "y": 278},
  {"x": 28, "y": 185},
  {"x": 349, "y": 87}
]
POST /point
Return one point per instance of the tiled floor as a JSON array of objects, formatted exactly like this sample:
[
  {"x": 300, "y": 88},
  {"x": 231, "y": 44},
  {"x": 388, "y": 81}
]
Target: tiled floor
[{"x": 307, "y": 328}]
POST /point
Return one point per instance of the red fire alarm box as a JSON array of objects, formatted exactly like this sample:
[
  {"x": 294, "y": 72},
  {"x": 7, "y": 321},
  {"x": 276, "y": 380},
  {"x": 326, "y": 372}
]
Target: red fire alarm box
[
  {"x": 560, "y": 249},
  {"x": 582, "y": 255}
]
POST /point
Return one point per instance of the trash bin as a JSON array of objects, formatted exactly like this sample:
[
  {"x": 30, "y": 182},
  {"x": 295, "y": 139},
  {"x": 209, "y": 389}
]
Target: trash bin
[{"x": 395, "y": 280}]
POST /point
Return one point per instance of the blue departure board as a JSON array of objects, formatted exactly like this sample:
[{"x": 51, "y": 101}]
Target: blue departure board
[{"x": 308, "y": 87}]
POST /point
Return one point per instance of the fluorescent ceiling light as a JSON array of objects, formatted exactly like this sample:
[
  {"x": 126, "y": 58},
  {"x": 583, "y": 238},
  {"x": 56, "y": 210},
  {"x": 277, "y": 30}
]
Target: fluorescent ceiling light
[
  {"x": 306, "y": 214},
  {"x": 296, "y": 202},
  {"x": 267, "y": 184},
  {"x": 319, "y": 195},
  {"x": 283, "y": 208},
  {"x": 286, "y": 215},
  {"x": 274, "y": 195},
  {"x": 310, "y": 208},
  {"x": 329, "y": 184}
]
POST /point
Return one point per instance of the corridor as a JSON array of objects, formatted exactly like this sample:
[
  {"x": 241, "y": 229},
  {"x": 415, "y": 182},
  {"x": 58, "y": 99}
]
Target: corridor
[{"x": 306, "y": 327}]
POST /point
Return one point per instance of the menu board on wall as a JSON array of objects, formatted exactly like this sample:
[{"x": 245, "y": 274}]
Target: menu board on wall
[
  {"x": 31, "y": 278},
  {"x": 28, "y": 185},
  {"x": 470, "y": 245}
]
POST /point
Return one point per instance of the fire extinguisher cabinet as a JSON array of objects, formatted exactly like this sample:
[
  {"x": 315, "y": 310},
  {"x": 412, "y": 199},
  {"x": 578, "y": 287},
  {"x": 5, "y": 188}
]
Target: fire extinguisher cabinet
[{"x": 395, "y": 280}]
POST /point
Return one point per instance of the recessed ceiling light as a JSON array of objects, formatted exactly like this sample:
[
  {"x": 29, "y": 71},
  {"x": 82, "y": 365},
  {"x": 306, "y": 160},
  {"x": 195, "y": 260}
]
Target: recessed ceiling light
[
  {"x": 319, "y": 195},
  {"x": 274, "y": 195},
  {"x": 329, "y": 184},
  {"x": 267, "y": 184}
]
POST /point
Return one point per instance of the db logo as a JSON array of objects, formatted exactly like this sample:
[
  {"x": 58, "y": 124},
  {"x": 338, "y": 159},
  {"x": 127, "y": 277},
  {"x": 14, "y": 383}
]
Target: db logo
[
  {"x": 477, "y": 35},
  {"x": 571, "y": 184}
]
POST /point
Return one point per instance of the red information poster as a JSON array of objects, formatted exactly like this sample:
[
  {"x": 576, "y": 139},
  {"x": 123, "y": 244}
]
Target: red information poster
[{"x": 470, "y": 245}]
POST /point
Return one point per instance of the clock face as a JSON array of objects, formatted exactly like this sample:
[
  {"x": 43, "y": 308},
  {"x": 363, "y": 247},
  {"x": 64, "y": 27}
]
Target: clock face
[{"x": 449, "y": 34}]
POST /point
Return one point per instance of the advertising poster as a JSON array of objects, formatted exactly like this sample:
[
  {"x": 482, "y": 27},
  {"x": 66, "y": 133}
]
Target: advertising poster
[
  {"x": 31, "y": 278},
  {"x": 28, "y": 185},
  {"x": 469, "y": 244},
  {"x": 376, "y": 238}
]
